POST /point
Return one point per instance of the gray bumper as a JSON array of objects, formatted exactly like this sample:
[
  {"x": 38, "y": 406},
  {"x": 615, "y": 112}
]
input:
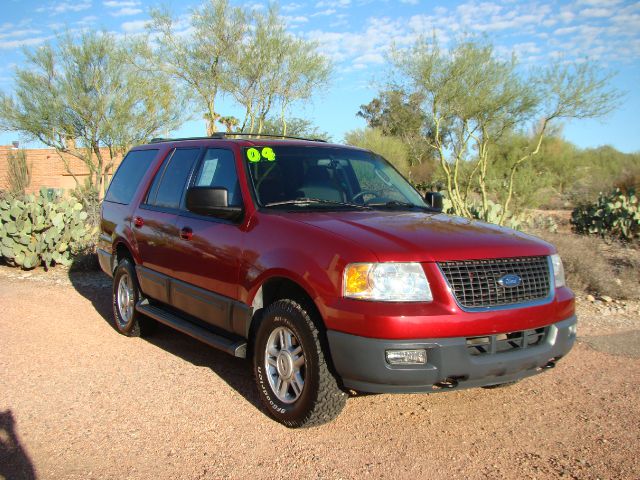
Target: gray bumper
[{"x": 362, "y": 365}]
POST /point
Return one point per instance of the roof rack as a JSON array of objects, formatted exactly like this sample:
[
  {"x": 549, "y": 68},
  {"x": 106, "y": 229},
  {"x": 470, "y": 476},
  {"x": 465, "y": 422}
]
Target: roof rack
[{"x": 224, "y": 135}]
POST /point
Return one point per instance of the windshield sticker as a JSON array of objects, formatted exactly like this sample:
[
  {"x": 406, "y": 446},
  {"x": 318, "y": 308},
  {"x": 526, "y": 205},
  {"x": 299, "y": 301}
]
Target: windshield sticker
[{"x": 261, "y": 153}]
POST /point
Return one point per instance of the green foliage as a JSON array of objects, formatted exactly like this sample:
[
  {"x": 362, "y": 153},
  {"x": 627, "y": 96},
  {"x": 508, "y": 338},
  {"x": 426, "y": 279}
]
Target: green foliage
[
  {"x": 36, "y": 230},
  {"x": 616, "y": 215},
  {"x": 83, "y": 93},
  {"x": 18, "y": 174},
  {"x": 246, "y": 54},
  {"x": 296, "y": 127},
  {"x": 391, "y": 148},
  {"x": 471, "y": 100},
  {"x": 492, "y": 214}
]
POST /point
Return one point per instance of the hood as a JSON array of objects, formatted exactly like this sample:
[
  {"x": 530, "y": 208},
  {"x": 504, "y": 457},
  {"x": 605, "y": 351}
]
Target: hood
[{"x": 424, "y": 237}]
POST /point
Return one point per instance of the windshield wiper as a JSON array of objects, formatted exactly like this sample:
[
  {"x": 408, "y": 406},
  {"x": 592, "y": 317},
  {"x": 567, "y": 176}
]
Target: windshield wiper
[
  {"x": 394, "y": 204},
  {"x": 307, "y": 201}
]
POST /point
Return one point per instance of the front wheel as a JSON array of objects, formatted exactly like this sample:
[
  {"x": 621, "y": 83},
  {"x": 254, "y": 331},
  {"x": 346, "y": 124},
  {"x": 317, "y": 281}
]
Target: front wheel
[{"x": 291, "y": 371}]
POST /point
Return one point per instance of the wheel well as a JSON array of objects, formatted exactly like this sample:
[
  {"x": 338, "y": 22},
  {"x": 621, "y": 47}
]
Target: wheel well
[
  {"x": 121, "y": 252},
  {"x": 279, "y": 288}
]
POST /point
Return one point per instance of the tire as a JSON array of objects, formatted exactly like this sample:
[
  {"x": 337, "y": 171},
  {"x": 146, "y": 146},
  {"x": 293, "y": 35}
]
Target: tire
[
  {"x": 126, "y": 294},
  {"x": 294, "y": 381}
]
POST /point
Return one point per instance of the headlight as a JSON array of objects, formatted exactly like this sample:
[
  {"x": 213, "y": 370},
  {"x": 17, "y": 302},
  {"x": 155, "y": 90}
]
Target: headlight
[
  {"x": 558, "y": 270},
  {"x": 386, "y": 282}
]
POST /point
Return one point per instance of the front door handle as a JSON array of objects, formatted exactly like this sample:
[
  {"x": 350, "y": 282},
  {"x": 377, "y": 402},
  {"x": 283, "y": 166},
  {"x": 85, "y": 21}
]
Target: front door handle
[{"x": 186, "y": 233}]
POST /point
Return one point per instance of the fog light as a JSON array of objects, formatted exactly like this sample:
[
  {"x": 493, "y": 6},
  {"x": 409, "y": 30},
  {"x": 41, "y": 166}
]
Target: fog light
[{"x": 406, "y": 357}]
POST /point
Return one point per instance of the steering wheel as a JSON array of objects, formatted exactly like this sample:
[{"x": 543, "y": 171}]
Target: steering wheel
[{"x": 362, "y": 194}]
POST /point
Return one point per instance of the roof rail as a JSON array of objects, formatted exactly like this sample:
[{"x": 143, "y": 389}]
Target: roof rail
[{"x": 223, "y": 135}]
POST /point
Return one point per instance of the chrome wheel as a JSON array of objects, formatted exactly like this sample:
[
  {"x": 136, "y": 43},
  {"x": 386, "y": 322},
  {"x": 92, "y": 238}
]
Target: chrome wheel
[
  {"x": 125, "y": 300},
  {"x": 285, "y": 365}
]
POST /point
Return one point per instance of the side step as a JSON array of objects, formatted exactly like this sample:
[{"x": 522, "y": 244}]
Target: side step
[{"x": 237, "y": 348}]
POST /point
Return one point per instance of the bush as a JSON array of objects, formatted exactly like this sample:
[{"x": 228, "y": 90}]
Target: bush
[
  {"x": 615, "y": 215},
  {"x": 39, "y": 229},
  {"x": 493, "y": 214}
]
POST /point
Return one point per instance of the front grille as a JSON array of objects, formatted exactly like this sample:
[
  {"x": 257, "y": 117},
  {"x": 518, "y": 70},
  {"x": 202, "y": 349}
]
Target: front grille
[
  {"x": 475, "y": 282},
  {"x": 505, "y": 342}
]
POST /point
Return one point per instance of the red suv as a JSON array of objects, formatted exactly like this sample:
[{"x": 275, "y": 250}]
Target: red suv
[{"x": 327, "y": 269}]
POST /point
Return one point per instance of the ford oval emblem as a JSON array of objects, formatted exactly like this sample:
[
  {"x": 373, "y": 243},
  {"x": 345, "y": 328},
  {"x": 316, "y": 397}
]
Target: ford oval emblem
[{"x": 509, "y": 280}]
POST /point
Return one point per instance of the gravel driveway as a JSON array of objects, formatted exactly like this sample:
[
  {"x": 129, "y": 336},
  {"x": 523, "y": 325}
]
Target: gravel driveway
[{"x": 77, "y": 400}]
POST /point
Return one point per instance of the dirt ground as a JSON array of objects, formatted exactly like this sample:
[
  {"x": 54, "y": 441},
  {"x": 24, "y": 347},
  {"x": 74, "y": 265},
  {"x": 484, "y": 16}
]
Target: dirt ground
[{"x": 79, "y": 401}]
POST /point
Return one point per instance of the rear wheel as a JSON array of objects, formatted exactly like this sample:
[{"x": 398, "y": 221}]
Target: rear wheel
[
  {"x": 126, "y": 294},
  {"x": 291, "y": 371}
]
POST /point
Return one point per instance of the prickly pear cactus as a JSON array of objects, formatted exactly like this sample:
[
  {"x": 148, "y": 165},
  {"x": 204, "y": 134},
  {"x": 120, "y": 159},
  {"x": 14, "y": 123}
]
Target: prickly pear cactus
[
  {"x": 37, "y": 229},
  {"x": 614, "y": 215}
]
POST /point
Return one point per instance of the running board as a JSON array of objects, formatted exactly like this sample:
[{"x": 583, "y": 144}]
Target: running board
[{"x": 237, "y": 348}]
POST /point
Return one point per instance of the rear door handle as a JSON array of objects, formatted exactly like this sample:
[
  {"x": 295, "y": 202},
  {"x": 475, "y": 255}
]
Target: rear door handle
[{"x": 186, "y": 233}]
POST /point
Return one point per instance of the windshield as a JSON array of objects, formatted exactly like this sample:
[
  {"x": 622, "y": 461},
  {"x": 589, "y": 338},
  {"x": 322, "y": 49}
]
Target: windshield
[{"x": 326, "y": 177}]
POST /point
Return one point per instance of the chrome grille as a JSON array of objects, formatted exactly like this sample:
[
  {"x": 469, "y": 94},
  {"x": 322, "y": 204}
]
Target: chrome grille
[
  {"x": 505, "y": 342},
  {"x": 475, "y": 282}
]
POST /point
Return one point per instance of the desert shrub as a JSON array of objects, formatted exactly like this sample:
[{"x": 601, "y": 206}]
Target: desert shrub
[
  {"x": 40, "y": 229},
  {"x": 493, "y": 214},
  {"x": 615, "y": 215},
  {"x": 593, "y": 266}
]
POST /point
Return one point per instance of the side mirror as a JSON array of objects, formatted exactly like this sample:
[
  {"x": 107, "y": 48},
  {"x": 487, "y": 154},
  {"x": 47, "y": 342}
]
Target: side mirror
[
  {"x": 434, "y": 201},
  {"x": 212, "y": 201}
]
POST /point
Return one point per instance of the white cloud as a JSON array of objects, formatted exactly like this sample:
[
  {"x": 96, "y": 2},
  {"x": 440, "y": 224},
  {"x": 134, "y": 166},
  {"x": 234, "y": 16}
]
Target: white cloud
[
  {"x": 126, "y": 11},
  {"x": 295, "y": 19},
  {"x": 16, "y": 33},
  {"x": 599, "y": 3},
  {"x": 410, "y": 2},
  {"x": 64, "y": 7},
  {"x": 135, "y": 26},
  {"x": 596, "y": 12},
  {"x": 26, "y": 42},
  {"x": 327, "y": 12},
  {"x": 86, "y": 21},
  {"x": 291, "y": 7},
  {"x": 120, "y": 4},
  {"x": 333, "y": 4}
]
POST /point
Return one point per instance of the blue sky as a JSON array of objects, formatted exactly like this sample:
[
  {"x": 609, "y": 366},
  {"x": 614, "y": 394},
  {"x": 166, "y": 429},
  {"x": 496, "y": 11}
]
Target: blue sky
[{"x": 355, "y": 34}]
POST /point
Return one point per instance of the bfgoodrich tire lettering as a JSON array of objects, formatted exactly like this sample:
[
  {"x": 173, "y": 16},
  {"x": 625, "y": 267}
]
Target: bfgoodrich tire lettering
[{"x": 315, "y": 397}]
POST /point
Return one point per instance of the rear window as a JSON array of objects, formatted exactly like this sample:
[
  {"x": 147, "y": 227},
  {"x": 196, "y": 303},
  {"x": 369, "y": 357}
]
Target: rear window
[{"x": 132, "y": 169}]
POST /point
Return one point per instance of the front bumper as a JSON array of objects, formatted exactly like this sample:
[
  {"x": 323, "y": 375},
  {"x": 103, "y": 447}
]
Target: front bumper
[{"x": 362, "y": 365}]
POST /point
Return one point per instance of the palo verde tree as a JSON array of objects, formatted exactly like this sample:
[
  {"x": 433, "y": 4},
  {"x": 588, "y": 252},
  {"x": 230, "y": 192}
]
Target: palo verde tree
[
  {"x": 247, "y": 55},
  {"x": 275, "y": 69},
  {"x": 472, "y": 99},
  {"x": 203, "y": 60},
  {"x": 82, "y": 97}
]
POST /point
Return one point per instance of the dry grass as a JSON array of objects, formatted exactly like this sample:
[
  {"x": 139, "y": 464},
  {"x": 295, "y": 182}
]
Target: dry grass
[{"x": 598, "y": 267}]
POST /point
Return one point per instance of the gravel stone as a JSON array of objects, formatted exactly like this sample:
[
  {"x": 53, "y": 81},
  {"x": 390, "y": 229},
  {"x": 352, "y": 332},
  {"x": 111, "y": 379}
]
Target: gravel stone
[{"x": 79, "y": 401}]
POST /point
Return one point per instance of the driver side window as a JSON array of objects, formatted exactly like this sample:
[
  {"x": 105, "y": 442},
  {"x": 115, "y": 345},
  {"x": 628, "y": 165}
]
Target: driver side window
[{"x": 218, "y": 169}]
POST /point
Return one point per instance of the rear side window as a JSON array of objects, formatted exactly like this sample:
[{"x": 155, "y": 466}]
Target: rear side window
[
  {"x": 127, "y": 178},
  {"x": 218, "y": 169},
  {"x": 167, "y": 188}
]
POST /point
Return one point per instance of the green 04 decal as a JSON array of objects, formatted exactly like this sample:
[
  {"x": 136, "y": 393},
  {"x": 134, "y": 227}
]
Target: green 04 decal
[{"x": 256, "y": 154}]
